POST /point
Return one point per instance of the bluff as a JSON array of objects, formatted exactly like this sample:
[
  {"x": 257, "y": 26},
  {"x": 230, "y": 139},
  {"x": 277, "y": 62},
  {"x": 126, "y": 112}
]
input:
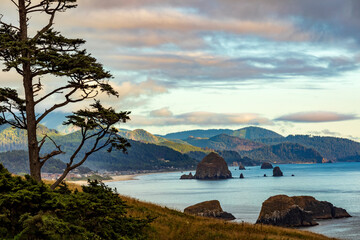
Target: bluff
[
  {"x": 212, "y": 167},
  {"x": 209, "y": 209},
  {"x": 297, "y": 211}
]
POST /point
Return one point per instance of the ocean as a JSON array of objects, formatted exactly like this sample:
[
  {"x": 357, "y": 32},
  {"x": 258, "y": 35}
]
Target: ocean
[{"x": 338, "y": 183}]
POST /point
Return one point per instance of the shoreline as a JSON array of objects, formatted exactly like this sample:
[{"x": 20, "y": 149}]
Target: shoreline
[{"x": 125, "y": 177}]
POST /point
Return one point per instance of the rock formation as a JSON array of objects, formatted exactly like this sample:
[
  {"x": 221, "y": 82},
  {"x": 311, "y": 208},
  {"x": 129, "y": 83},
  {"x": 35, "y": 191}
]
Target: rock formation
[
  {"x": 241, "y": 175},
  {"x": 277, "y": 172},
  {"x": 266, "y": 165},
  {"x": 212, "y": 167},
  {"x": 209, "y": 209},
  {"x": 241, "y": 167},
  {"x": 282, "y": 210},
  {"x": 189, "y": 176}
]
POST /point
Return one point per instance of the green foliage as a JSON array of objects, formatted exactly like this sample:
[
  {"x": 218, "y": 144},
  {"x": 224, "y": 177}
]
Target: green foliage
[
  {"x": 141, "y": 136},
  {"x": 285, "y": 153},
  {"x": 30, "y": 210},
  {"x": 224, "y": 142},
  {"x": 183, "y": 147},
  {"x": 17, "y": 161},
  {"x": 331, "y": 148}
]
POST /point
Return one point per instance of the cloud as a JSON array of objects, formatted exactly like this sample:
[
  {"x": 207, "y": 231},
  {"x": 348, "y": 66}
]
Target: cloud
[
  {"x": 162, "y": 112},
  {"x": 316, "y": 117},
  {"x": 163, "y": 117}
]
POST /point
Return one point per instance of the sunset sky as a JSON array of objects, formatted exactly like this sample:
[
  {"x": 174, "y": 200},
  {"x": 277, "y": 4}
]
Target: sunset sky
[{"x": 290, "y": 66}]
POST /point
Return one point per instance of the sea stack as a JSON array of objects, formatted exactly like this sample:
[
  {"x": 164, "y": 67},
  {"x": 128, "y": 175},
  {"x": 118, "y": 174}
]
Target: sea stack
[
  {"x": 277, "y": 172},
  {"x": 212, "y": 167},
  {"x": 298, "y": 211},
  {"x": 241, "y": 167},
  {"x": 266, "y": 165},
  {"x": 184, "y": 176},
  {"x": 209, "y": 209}
]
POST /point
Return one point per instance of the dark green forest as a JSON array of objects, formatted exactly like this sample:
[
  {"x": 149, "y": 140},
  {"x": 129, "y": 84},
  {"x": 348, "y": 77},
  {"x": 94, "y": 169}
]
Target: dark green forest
[{"x": 31, "y": 210}]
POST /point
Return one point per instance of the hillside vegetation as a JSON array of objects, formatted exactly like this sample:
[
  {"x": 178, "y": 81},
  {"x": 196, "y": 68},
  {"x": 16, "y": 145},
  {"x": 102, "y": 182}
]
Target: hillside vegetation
[
  {"x": 225, "y": 142},
  {"x": 331, "y": 148},
  {"x": 284, "y": 153},
  {"x": 18, "y": 162}
]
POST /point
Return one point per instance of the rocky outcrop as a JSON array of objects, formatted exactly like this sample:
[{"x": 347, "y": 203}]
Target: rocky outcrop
[
  {"x": 266, "y": 165},
  {"x": 241, "y": 167},
  {"x": 241, "y": 175},
  {"x": 189, "y": 176},
  {"x": 209, "y": 209},
  {"x": 277, "y": 172},
  {"x": 212, "y": 167},
  {"x": 282, "y": 210}
]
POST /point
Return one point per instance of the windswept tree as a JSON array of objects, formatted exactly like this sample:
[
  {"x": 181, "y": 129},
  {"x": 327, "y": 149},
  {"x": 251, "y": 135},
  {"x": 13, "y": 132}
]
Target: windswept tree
[{"x": 39, "y": 59}]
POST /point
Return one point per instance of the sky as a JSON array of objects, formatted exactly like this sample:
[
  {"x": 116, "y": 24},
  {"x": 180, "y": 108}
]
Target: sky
[{"x": 289, "y": 66}]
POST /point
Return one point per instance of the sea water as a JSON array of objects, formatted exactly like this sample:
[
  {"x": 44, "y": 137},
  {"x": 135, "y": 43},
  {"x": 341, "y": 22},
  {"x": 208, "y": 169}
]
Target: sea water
[{"x": 338, "y": 183}]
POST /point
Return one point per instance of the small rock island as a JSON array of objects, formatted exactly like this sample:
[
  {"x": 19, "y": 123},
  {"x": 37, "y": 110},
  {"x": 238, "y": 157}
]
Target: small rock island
[
  {"x": 212, "y": 167},
  {"x": 209, "y": 209},
  {"x": 266, "y": 165},
  {"x": 277, "y": 172},
  {"x": 297, "y": 211}
]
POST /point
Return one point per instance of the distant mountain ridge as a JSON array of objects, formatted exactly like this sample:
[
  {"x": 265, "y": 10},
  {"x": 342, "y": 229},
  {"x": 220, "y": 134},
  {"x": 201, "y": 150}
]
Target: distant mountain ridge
[
  {"x": 247, "y": 145},
  {"x": 250, "y": 133}
]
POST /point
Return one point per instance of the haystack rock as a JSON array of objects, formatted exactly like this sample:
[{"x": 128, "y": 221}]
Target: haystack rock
[
  {"x": 209, "y": 209},
  {"x": 189, "y": 176},
  {"x": 212, "y": 167},
  {"x": 298, "y": 211},
  {"x": 241, "y": 167},
  {"x": 266, "y": 165},
  {"x": 277, "y": 172}
]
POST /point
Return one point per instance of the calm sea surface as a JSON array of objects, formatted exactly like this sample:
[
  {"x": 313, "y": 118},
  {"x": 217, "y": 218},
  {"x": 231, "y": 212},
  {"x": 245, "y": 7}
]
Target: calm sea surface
[{"x": 338, "y": 183}]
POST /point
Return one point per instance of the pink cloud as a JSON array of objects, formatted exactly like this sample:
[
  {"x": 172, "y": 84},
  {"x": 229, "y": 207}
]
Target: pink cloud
[{"x": 314, "y": 117}]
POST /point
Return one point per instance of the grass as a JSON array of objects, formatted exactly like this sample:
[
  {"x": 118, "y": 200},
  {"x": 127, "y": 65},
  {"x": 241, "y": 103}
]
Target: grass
[{"x": 172, "y": 224}]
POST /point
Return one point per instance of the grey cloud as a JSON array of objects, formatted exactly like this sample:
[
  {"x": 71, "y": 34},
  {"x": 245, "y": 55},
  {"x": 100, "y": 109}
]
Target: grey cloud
[{"x": 316, "y": 117}]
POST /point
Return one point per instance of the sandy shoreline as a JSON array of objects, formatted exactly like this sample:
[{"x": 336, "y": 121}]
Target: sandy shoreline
[{"x": 116, "y": 178}]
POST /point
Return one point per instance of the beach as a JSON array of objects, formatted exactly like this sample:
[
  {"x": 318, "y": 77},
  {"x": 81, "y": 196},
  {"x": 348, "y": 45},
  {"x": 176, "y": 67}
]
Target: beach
[{"x": 115, "y": 178}]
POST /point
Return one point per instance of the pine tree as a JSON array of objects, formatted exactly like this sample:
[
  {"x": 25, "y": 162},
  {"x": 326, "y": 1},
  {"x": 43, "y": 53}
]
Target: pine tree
[{"x": 48, "y": 53}]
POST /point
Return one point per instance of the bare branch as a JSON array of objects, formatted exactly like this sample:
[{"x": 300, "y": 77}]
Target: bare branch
[
  {"x": 53, "y": 153},
  {"x": 15, "y": 3},
  {"x": 53, "y": 92},
  {"x": 6, "y": 24}
]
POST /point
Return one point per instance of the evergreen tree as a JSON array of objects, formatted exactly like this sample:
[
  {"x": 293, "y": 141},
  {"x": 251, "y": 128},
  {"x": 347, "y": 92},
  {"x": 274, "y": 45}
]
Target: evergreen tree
[{"x": 48, "y": 53}]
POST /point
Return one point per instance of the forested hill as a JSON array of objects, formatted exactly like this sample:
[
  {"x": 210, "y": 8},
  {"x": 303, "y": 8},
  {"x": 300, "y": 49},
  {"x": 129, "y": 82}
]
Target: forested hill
[
  {"x": 331, "y": 148},
  {"x": 18, "y": 162},
  {"x": 16, "y": 139},
  {"x": 224, "y": 142},
  {"x": 284, "y": 153},
  {"x": 141, "y": 156},
  {"x": 250, "y": 133}
]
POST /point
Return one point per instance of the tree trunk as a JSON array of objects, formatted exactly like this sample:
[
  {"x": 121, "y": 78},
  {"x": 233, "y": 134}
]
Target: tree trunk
[{"x": 33, "y": 148}]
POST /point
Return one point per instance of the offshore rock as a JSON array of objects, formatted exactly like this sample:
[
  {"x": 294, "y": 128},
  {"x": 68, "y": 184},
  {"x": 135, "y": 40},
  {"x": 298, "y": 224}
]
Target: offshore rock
[
  {"x": 241, "y": 175},
  {"x": 189, "y": 176},
  {"x": 266, "y": 165},
  {"x": 209, "y": 209},
  {"x": 241, "y": 167},
  {"x": 298, "y": 211},
  {"x": 212, "y": 167},
  {"x": 277, "y": 172}
]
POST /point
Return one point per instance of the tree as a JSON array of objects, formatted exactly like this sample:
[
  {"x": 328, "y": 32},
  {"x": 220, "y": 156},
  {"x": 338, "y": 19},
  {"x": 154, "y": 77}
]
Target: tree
[
  {"x": 30, "y": 210},
  {"x": 48, "y": 53}
]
